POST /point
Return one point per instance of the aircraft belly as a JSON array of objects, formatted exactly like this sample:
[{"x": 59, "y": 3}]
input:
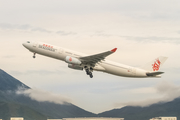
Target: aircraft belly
[
  {"x": 115, "y": 70},
  {"x": 49, "y": 54},
  {"x": 140, "y": 73},
  {"x": 124, "y": 71}
]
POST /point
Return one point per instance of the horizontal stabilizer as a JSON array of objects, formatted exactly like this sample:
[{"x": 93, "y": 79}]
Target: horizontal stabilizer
[{"x": 154, "y": 73}]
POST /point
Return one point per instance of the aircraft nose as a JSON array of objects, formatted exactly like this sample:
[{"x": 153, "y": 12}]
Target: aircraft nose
[{"x": 24, "y": 44}]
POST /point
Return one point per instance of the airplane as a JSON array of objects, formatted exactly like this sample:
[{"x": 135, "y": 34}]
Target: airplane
[{"x": 96, "y": 62}]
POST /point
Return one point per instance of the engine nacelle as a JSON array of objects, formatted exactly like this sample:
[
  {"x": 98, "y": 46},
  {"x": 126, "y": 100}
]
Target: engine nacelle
[
  {"x": 72, "y": 60},
  {"x": 76, "y": 67}
]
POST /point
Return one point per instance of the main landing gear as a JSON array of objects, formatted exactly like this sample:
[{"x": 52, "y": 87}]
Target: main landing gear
[
  {"x": 89, "y": 71},
  {"x": 34, "y": 56}
]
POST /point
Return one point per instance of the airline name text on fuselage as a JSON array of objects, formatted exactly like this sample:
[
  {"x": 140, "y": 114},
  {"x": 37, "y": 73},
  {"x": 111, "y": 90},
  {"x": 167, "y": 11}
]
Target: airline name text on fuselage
[{"x": 47, "y": 47}]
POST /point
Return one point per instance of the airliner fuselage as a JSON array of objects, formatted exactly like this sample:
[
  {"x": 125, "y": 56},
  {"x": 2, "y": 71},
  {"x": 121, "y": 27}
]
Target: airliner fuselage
[{"x": 97, "y": 62}]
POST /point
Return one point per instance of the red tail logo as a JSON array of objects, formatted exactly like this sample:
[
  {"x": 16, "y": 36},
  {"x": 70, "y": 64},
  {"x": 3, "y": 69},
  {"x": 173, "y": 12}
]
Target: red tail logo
[
  {"x": 70, "y": 59},
  {"x": 156, "y": 65}
]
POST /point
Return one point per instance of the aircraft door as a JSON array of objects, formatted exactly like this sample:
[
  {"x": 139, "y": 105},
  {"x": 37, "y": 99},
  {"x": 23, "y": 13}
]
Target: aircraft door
[
  {"x": 35, "y": 44},
  {"x": 60, "y": 51},
  {"x": 132, "y": 71}
]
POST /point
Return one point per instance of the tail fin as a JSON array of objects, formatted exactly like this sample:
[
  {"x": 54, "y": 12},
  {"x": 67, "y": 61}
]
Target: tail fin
[{"x": 155, "y": 65}]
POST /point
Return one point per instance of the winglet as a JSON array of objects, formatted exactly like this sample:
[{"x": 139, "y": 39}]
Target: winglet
[{"x": 114, "y": 50}]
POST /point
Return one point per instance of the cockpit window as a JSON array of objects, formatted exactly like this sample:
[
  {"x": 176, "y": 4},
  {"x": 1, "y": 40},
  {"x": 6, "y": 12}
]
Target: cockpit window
[{"x": 28, "y": 42}]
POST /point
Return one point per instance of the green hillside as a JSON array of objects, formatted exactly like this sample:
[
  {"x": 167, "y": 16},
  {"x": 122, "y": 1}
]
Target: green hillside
[
  {"x": 145, "y": 113},
  {"x": 8, "y": 110},
  {"x": 16, "y": 105}
]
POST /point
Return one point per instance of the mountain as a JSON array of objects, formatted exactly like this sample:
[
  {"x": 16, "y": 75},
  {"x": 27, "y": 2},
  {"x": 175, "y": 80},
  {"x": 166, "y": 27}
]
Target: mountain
[
  {"x": 7, "y": 82},
  {"x": 12, "y": 104},
  {"x": 8, "y": 110},
  {"x": 16, "y": 105},
  {"x": 145, "y": 113}
]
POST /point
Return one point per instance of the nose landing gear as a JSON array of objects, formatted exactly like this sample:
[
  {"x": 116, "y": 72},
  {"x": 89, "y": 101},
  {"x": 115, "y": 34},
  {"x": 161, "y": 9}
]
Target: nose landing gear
[
  {"x": 89, "y": 71},
  {"x": 34, "y": 56}
]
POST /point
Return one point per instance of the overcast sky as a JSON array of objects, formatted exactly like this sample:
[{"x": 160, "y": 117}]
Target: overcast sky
[{"x": 141, "y": 30}]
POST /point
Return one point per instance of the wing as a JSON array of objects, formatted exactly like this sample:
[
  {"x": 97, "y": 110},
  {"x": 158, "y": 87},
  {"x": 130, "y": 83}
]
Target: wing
[{"x": 93, "y": 59}]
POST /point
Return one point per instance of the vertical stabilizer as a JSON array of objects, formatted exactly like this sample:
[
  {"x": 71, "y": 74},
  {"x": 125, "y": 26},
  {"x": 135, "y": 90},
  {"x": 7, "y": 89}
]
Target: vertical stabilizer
[{"x": 155, "y": 65}]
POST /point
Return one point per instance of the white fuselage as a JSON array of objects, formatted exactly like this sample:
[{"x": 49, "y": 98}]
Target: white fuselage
[{"x": 104, "y": 66}]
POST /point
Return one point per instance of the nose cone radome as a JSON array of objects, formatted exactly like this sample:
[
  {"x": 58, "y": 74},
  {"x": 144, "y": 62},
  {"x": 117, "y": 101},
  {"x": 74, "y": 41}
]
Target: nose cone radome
[{"x": 25, "y": 45}]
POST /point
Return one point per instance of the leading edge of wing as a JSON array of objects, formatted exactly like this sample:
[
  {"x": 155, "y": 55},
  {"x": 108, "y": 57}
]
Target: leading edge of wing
[{"x": 96, "y": 57}]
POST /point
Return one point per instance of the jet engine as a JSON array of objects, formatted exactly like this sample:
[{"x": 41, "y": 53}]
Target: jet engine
[
  {"x": 76, "y": 67},
  {"x": 72, "y": 60}
]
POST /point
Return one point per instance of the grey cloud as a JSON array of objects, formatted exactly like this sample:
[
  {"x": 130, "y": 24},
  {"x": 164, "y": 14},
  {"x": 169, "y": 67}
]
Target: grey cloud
[
  {"x": 141, "y": 39},
  {"x": 16, "y": 73},
  {"x": 39, "y": 72},
  {"x": 41, "y": 30},
  {"x": 153, "y": 15},
  {"x": 172, "y": 70},
  {"x": 133, "y": 8},
  {"x": 101, "y": 33},
  {"x": 14, "y": 26},
  {"x": 65, "y": 33},
  {"x": 153, "y": 39},
  {"x": 44, "y": 96},
  {"x": 167, "y": 92},
  {"x": 25, "y": 27},
  {"x": 9, "y": 56},
  {"x": 178, "y": 32}
]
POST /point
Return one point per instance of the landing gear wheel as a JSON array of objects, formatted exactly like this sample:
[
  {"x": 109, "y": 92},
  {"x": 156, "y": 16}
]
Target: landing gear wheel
[
  {"x": 89, "y": 71},
  {"x": 34, "y": 56},
  {"x": 90, "y": 75}
]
